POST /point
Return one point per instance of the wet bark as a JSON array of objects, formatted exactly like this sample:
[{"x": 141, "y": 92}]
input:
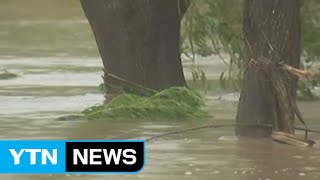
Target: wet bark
[
  {"x": 138, "y": 40},
  {"x": 272, "y": 33}
]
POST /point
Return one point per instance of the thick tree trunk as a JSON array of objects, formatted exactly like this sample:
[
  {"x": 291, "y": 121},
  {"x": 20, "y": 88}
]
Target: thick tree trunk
[
  {"x": 272, "y": 33},
  {"x": 138, "y": 40}
]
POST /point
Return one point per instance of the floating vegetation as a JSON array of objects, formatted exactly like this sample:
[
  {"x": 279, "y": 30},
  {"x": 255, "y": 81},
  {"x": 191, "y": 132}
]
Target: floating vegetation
[
  {"x": 7, "y": 75},
  {"x": 175, "y": 102},
  {"x": 102, "y": 88}
]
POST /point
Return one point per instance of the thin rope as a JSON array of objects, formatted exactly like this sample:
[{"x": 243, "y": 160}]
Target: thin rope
[{"x": 224, "y": 125}]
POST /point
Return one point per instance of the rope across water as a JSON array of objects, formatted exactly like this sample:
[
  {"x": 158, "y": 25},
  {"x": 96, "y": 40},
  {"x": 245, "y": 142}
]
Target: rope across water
[{"x": 226, "y": 125}]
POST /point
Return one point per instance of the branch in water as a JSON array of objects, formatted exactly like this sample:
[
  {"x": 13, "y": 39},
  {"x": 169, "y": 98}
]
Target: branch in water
[
  {"x": 299, "y": 72},
  {"x": 225, "y": 125}
]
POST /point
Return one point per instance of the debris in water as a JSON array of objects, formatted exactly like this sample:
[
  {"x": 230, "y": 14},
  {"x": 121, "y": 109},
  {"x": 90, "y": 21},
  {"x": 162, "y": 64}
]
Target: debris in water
[
  {"x": 302, "y": 174},
  {"x": 298, "y": 157},
  {"x": 310, "y": 168},
  {"x": 175, "y": 102},
  {"x": 285, "y": 169},
  {"x": 7, "y": 75},
  {"x": 188, "y": 173},
  {"x": 228, "y": 138}
]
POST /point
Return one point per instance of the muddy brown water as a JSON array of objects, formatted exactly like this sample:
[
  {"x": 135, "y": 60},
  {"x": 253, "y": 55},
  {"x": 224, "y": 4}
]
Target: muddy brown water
[
  {"x": 31, "y": 104},
  {"x": 59, "y": 73}
]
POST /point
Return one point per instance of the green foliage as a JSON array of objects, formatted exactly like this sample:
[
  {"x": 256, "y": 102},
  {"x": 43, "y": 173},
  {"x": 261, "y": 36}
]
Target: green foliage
[
  {"x": 311, "y": 44},
  {"x": 199, "y": 75},
  {"x": 311, "y": 28},
  {"x": 214, "y": 27},
  {"x": 175, "y": 102},
  {"x": 215, "y": 85}
]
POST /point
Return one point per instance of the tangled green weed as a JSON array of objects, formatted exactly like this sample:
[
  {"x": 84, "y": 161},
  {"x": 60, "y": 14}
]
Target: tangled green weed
[{"x": 175, "y": 102}]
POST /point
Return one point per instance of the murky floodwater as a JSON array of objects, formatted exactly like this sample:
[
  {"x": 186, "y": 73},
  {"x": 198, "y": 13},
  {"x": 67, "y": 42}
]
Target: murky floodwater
[{"x": 66, "y": 81}]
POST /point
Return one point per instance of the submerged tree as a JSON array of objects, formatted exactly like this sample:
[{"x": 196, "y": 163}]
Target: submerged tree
[
  {"x": 273, "y": 38},
  {"x": 139, "y": 41}
]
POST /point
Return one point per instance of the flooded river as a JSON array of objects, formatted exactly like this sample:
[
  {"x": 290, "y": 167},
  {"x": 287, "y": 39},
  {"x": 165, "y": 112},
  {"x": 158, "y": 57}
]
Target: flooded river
[{"x": 59, "y": 72}]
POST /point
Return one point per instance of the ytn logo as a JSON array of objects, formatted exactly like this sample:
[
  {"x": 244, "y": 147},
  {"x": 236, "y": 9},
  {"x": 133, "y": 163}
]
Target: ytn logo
[{"x": 45, "y": 155}]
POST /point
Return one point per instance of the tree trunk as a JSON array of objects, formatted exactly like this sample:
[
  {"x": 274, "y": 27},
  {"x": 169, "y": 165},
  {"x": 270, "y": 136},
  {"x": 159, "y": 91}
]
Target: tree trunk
[
  {"x": 272, "y": 33},
  {"x": 138, "y": 40}
]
